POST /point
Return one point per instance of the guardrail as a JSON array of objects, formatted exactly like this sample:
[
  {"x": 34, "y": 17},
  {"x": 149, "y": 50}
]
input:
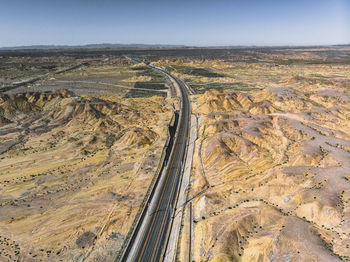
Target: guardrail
[
  {"x": 188, "y": 87},
  {"x": 142, "y": 212},
  {"x": 181, "y": 178},
  {"x": 146, "y": 198}
]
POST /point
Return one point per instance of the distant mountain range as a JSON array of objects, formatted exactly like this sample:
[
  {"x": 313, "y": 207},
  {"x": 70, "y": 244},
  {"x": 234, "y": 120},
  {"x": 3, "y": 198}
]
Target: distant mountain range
[
  {"x": 146, "y": 46},
  {"x": 46, "y": 47}
]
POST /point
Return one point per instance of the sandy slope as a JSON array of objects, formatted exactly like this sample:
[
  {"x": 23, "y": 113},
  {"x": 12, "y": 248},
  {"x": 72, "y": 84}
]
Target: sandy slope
[
  {"x": 73, "y": 171},
  {"x": 271, "y": 171}
]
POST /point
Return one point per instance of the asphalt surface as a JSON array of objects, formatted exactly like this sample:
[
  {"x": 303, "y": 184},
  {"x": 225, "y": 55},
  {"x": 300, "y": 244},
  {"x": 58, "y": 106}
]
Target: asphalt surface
[{"x": 153, "y": 239}]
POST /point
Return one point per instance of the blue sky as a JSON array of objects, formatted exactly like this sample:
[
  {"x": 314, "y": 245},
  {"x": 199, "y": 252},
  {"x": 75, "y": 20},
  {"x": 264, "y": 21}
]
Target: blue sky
[{"x": 189, "y": 22}]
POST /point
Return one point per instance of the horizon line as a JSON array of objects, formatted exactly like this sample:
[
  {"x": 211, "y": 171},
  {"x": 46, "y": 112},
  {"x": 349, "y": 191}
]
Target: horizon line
[{"x": 73, "y": 46}]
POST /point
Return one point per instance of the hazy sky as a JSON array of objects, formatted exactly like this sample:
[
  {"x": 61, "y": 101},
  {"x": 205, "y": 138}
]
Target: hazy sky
[{"x": 189, "y": 22}]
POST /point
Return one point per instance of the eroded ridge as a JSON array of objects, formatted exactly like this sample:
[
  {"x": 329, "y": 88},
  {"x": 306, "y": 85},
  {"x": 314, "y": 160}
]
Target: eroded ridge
[
  {"x": 271, "y": 173},
  {"x": 73, "y": 172}
]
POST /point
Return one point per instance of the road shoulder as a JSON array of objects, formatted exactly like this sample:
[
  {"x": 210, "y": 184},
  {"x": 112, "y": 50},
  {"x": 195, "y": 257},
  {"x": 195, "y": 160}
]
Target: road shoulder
[{"x": 181, "y": 208}]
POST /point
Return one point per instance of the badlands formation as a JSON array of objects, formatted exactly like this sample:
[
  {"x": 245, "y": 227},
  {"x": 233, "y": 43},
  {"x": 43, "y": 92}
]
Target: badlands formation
[
  {"x": 271, "y": 168},
  {"x": 81, "y": 142},
  {"x": 74, "y": 168}
]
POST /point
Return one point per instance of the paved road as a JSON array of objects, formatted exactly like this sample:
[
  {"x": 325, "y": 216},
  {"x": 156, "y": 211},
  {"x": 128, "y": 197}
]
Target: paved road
[{"x": 151, "y": 242}]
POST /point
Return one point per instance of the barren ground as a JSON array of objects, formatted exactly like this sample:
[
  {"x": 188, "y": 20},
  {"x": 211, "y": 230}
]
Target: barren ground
[
  {"x": 77, "y": 156},
  {"x": 270, "y": 177},
  {"x": 270, "y": 174}
]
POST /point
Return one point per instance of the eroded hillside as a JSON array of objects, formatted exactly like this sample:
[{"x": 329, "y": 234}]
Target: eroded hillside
[
  {"x": 270, "y": 173},
  {"x": 76, "y": 163},
  {"x": 270, "y": 176}
]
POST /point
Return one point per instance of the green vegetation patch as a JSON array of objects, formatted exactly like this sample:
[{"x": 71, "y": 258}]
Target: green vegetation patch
[
  {"x": 133, "y": 93},
  {"x": 150, "y": 85},
  {"x": 139, "y": 68},
  {"x": 312, "y": 62},
  {"x": 197, "y": 71},
  {"x": 157, "y": 77},
  {"x": 201, "y": 88}
]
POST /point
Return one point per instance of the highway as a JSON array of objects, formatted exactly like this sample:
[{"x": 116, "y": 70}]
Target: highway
[{"x": 149, "y": 241}]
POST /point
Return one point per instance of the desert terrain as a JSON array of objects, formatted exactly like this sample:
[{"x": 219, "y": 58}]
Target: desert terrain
[
  {"x": 269, "y": 180},
  {"x": 79, "y": 150},
  {"x": 82, "y": 135}
]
